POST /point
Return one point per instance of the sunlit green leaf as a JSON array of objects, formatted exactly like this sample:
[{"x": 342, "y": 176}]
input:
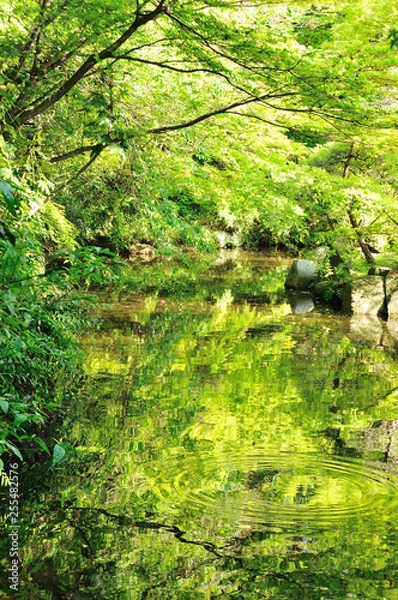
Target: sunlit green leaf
[
  {"x": 4, "y": 405},
  {"x": 59, "y": 454}
]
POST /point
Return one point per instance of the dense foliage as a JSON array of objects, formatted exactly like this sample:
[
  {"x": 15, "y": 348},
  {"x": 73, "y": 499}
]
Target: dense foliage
[
  {"x": 143, "y": 95},
  {"x": 180, "y": 125},
  {"x": 39, "y": 311}
]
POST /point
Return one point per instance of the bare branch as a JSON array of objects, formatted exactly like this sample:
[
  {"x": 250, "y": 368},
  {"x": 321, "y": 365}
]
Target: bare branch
[
  {"x": 312, "y": 111},
  {"x": 61, "y": 187},
  {"x": 170, "y": 67},
  {"x": 391, "y": 218},
  {"x": 34, "y": 37}
]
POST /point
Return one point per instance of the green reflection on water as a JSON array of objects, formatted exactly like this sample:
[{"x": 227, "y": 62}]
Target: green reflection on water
[{"x": 225, "y": 449}]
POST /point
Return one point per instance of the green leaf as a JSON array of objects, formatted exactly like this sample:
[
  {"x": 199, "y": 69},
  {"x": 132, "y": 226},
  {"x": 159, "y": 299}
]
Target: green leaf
[
  {"x": 19, "y": 419},
  {"x": 19, "y": 344},
  {"x": 4, "y": 405},
  {"x": 42, "y": 444},
  {"x": 14, "y": 449},
  {"x": 59, "y": 454},
  {"x": 5, "y": 233},
  {"x": 11, "y": 307},
  {"x": 7, "y": 192},
  {"x": 393, "y": 37}
]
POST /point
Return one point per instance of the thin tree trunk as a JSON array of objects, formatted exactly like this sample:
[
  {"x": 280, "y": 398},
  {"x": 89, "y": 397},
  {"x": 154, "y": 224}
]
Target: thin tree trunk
[
  {"x": 354, "y": 224},
  {"x": 362, "y": 242}
]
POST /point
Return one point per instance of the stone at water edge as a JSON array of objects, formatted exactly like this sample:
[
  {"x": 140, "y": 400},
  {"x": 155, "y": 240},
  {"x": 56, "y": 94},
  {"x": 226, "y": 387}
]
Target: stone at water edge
[
  {"x": 141, "y": 253},
  {"x": 302, "y": 274},
  {"x": 364, "y": 296},
  {"x": 392, "y": 296}
]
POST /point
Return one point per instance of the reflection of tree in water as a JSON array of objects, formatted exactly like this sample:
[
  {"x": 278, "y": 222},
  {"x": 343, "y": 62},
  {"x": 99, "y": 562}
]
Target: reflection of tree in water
[
  {"x": 88, "y": 532},
  {"x": 304, "y": 494},
  {"x": 162, "y": 398},
  {"x": 86, "y": 547},
  {"x": 262, "y": 482},
  {"x": 340, "y": 445},
  {"x": 256, "y": 479}
]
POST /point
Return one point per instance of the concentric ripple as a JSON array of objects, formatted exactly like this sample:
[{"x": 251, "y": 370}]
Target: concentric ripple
[{"x": 281, "y": 490}]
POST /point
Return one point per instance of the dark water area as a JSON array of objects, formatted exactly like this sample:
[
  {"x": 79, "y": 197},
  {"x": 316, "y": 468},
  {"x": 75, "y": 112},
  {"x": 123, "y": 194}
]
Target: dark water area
[{"x": 222, "y": 446}]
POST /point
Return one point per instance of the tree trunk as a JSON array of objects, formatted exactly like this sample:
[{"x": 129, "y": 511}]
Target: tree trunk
[
  {"x": 354, "y": 224},
  {"x": 362, "y": 242}
]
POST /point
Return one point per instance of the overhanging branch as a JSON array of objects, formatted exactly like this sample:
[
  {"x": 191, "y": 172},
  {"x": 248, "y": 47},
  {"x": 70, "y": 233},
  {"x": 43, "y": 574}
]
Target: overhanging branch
[
  {"x": 168, "y": 66},
  {"x": 257, "y": 69},
  {"x": 89, "y": 63},
  {"x": 77, "y": 151},
  {"x": 64, "y": 185},
  {"x": 201, "y": 118}
]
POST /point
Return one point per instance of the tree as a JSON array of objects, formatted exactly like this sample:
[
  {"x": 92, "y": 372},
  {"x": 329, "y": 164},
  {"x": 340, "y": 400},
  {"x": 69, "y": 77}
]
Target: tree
[
  {"x": 68, "y": 67},
  {"x": 109, "y": 79}
]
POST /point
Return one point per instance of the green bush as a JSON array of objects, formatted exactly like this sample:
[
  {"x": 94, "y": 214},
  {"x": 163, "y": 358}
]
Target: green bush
[
  {"x": 41, "y": 267},
  {"x": 39, "y": 359}
]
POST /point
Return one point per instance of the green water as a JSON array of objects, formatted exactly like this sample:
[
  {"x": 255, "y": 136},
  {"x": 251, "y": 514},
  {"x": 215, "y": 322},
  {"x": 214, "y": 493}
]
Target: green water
[{"x": 225, "y": 448}]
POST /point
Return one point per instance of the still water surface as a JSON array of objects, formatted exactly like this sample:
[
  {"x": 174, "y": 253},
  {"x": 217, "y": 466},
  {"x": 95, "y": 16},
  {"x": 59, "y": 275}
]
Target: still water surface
[{"x": 226, "y": 448}]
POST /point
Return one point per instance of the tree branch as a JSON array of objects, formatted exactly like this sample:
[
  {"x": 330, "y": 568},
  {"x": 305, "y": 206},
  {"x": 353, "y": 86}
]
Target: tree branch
[
  {"x": 312, "y": 111},
  {"x": 32, "y": 38},
  {"x": 166, "y": 65},
  {"x": 391, "y": 218},
  {"x": 257, "y": 70},
  {"x": 61, "y": 187},
  {"x": 354, "y": 224},
  {"x": 88, "y": 64},
  {"x": 203, "y": 117},
  {"x": 37, "y": 30},
  {"x": 82, "y": 150},
  {"x": 258, "y": 118}
]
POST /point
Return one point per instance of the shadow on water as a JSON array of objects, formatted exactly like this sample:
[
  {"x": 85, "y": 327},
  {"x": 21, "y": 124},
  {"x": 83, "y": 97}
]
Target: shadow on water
[{"x": 223, "y": 448}]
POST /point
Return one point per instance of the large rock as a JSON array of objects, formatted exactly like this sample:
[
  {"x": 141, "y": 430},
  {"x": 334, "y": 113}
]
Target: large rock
[
  {"x": 392, "y": 296},
  {"x": 364, "y": 296},
  {"x": 141, "y": 253},
  {"x": 390, "y": 337},
  {"x": 302, "y": 275}
]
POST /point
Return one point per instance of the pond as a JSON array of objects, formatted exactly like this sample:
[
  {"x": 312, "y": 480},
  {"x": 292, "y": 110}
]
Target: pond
[{"x": 222, "y": 446}]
